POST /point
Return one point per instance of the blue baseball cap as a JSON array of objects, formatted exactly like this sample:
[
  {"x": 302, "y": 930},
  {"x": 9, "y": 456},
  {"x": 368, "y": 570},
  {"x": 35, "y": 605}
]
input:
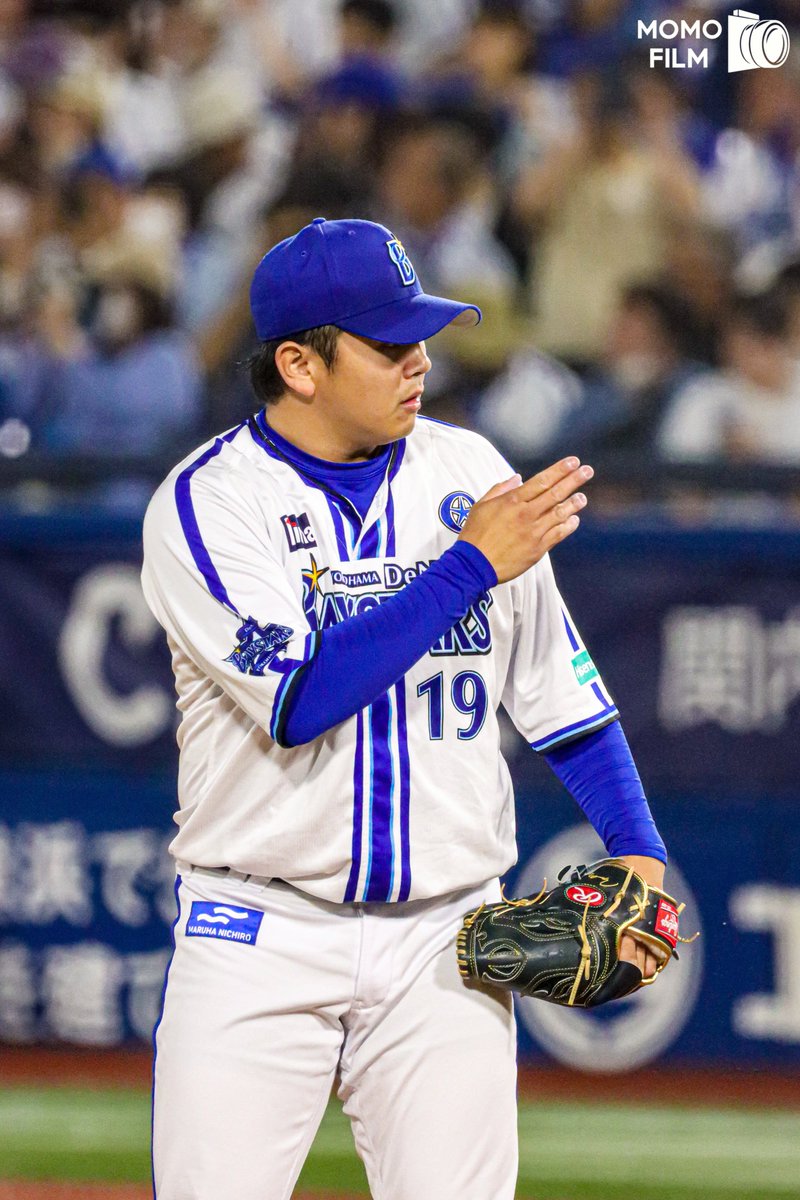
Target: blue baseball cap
[{"x": 352, "y": 274}]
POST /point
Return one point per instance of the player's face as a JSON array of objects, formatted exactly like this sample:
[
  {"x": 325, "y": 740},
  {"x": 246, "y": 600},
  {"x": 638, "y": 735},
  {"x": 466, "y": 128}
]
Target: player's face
[{"x": 373, "y": 394}]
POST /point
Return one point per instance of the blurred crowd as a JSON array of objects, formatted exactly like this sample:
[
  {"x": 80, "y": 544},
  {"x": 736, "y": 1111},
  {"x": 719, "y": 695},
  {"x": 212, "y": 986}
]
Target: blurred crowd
[{"x": 632, "y": 233}]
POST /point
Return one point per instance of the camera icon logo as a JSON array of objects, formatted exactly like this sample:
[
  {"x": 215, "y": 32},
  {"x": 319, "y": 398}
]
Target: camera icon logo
[{"x": 755, "y": 43}]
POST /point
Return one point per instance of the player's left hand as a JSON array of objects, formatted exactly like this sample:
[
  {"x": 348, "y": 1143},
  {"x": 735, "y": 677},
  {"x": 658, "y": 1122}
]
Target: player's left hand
[
  {"x": 631, "y": 950},
  {"x": 564, "y": 945}
]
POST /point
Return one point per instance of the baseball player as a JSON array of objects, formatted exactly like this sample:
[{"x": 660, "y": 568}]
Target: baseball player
[{"x": 350, "y": 591}]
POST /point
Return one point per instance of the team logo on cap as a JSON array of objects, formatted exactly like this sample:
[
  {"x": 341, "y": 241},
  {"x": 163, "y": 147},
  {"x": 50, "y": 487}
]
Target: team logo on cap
[
  {"x": 401, "y": 260},
  {"x": 454, "y": 510}
]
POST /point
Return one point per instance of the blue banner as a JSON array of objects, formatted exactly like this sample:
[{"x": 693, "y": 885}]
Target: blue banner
[
  {"x": 85, "y": 672},
  {"x": 697, "y": 635}
]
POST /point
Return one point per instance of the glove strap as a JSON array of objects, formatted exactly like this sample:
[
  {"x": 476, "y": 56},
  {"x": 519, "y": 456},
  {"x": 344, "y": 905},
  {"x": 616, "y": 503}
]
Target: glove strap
[
  {"x": 585, "y": 968},
  {"x": 621, "y": 893}
]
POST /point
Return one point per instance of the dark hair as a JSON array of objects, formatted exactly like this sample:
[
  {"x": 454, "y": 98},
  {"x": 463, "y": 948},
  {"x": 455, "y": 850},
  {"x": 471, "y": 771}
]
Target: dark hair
[
  {"x": 379, "y": 13},
  {"x": 503, "y": 12},
  {"x": 265, "y": 378},
  {"x": 765, "y": 314},
  {"x": 788, "y": 279},
  {"x": 670, "y": 309}
]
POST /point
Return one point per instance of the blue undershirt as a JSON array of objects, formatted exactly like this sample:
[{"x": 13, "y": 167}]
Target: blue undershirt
[
  {"x": 356, "y": 481},
  {"x": 599, "y": 772},
  {"x": 359, "y": 659}
]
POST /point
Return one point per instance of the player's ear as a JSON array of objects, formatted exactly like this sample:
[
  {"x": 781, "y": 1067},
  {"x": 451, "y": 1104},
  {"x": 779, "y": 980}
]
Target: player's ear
[{"x": 294, "y": 362}]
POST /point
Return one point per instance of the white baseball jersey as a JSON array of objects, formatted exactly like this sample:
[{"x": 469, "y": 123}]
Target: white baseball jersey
[{"x": 247, "y": 562}]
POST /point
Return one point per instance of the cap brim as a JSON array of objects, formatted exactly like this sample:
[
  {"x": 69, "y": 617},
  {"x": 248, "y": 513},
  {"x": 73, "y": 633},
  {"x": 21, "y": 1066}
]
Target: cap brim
[{"x": 411, "y": 320}]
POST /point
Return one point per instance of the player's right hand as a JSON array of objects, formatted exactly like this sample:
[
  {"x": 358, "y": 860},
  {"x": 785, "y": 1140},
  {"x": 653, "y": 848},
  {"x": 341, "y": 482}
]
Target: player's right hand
[{"x": 516, "y": 523}]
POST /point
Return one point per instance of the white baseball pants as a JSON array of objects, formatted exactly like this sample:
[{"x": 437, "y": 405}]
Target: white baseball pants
[{"x": 253, "y": 1032}]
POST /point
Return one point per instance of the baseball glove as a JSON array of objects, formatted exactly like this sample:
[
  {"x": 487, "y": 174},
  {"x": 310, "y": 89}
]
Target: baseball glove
[{"x": 563, "y": 945}]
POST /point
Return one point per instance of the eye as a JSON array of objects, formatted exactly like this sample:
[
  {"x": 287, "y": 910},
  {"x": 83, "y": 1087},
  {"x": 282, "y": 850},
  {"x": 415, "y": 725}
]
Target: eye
[{"x": 393, "y": 350}]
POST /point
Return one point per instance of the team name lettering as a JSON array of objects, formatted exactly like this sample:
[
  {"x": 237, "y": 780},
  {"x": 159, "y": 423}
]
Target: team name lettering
[
  {"x": 396, "y": 577},
  {"x": 356, "y": 579},
  {"x": 471, "y": 635},
  {"x": 323, "y": 607}
]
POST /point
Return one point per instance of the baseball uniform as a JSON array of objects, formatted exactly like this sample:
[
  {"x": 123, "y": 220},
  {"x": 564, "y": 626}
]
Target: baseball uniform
[{"x": 320, "y": 885}]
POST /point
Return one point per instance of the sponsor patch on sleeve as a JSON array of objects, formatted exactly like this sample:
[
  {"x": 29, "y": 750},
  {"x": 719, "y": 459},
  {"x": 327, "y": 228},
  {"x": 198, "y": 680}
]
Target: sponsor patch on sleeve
[
  {"x": 225, "y": 922},
  {"x": 584, "y": 668}
]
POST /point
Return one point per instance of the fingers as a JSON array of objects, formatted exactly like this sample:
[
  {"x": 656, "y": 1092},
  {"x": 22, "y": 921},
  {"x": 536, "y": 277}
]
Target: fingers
[
  {"x": 516, "y": 523},
  {"x": 557, "y": 533},
  {"x": 634, "y": 951},
  {"x": 557, "y": 482},
  {"x": 499, "y": 489}
]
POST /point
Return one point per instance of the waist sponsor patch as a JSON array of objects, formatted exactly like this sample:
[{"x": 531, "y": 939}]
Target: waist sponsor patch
[{"x": 225, "y": 922}]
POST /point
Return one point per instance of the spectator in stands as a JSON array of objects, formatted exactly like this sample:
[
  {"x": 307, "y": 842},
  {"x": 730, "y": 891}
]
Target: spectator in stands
[
  {"x": 601, "y": 207},
  {"x": 348, "y": 111},
  {"x": 228, "y": 171},
  {"x": 489, "y": 74},
  {"x": 652, "y": 351},
  {"x": 585, "y": 35},
  {"x": 366, "y": 28},
  {"x": 129, "y": 385},
  {"x": 700, "y": 261},
  {"x": 65, "y": 121},
  {"x": 749, "y": 411},
  {"x": 142, "y": 118},
  {"x": 751, "y": 184},
  {"x": 434, "y": 192},
  {"x": 96, "y": 201},
  {"x": 537, "y": 404},
  {"x": 491, "y": 68}
]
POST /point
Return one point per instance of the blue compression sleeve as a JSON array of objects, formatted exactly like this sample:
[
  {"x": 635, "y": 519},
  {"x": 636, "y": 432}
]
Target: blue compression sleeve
[
  {"x": 600, "y": 773},
  {"x": 360, "y": 658}
]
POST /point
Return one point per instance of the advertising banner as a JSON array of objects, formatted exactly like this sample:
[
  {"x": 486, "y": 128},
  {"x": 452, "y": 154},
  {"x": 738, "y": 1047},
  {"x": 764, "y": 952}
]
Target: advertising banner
[{"x": 697, "y": 635}]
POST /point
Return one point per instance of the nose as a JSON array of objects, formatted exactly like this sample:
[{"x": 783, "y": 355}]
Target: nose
[{"x": 417, "y": 361}]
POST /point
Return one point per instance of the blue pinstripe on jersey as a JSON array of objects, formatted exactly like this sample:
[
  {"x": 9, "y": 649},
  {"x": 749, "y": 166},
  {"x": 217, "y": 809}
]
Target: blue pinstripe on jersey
[
  {"x": 358, "y": 810},
  {"x": 389, "y": 773},
  {"x": 188, "y": 519},
  {"x": 287, "y": 667},
  {"x": 380, "y": 864},
  {"x": 405, "y": 792}
]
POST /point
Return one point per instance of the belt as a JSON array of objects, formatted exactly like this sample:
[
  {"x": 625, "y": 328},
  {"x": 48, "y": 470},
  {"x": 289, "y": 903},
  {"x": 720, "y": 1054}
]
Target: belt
[{"x": 185, "y": 868}]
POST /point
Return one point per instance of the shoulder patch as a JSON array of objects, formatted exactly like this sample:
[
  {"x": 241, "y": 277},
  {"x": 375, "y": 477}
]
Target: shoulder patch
[{"x": 257, "y": 645}]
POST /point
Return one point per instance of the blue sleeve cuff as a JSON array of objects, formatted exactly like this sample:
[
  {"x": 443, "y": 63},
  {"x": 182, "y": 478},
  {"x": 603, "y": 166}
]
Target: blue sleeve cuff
[{"x": 475, "y": 562}]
